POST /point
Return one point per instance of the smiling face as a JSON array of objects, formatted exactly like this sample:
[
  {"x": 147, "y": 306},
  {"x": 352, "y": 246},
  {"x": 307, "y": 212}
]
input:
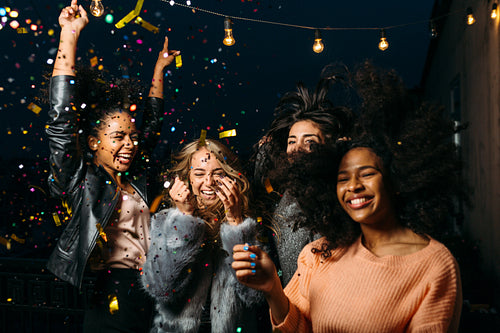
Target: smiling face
[
  {"x": 362, "y": 190},
  {"x": 203, "y": 176},
  {"x": 116, "y": 143},
  {"x": 302, "y": 134}
]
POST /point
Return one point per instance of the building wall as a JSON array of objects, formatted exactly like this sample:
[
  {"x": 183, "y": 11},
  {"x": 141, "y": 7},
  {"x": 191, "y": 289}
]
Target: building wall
[{"x": 468, "y": 58}]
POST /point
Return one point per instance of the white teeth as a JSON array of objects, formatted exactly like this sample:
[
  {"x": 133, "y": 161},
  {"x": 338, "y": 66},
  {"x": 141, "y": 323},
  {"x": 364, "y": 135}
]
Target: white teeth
[
  {"x": 358, "y": 201},
  {"x": 208, "y": 192},
  {"x": 125, "y": 155}
]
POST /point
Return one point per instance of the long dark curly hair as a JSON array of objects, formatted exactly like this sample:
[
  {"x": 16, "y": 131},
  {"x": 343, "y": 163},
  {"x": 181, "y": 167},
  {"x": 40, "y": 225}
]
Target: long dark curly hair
[
  {"x": 414, "y": 142},
  {"x": 303, "y": 104}
]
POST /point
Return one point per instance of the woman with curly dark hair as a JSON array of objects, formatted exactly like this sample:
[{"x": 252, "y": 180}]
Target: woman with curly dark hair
[
  {"x": 379, "y": 267},
  {"x": 304, "y": 119}
]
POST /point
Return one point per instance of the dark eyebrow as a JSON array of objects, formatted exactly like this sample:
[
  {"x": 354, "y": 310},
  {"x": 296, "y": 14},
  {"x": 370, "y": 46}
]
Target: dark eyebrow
[
  {"x": 306, "y": 135},
  {"x": 362, "y": 168}
]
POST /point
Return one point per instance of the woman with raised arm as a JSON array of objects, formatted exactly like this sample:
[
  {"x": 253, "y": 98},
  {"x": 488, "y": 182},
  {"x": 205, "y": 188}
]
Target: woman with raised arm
[{"x": 95, "y": 169}]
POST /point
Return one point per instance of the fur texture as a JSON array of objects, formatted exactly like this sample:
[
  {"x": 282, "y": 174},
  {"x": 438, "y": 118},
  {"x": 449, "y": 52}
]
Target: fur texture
[{"x": 182, "y": 270}]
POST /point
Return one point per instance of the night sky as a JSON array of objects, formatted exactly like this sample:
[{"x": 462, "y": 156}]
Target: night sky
[{"x": 218, "y": 87}]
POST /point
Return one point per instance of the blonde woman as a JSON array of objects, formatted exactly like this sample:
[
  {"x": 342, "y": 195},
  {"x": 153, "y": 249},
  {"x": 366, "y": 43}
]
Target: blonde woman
[{"x": 188, "y": 269}]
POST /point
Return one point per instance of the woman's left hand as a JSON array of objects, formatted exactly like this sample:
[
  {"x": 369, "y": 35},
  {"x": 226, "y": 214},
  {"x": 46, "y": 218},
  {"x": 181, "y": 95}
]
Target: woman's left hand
[{"x": 229, "y": 193}]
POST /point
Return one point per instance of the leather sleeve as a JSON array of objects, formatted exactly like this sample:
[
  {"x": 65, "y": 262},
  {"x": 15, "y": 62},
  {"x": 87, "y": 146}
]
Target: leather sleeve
[
  {"x": 66, "y": 162},
  {"x": 152, "y": 123}
]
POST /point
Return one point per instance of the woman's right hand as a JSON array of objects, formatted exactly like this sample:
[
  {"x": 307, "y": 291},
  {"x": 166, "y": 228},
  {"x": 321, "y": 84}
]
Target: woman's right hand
[
  {"x": 254, "y": 268},
  {"x": 73, "y": 17},
  {"x": 180, "y": 194}
]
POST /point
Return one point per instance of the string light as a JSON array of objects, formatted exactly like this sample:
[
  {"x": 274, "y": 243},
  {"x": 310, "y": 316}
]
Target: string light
[
  {"x": 228, "y": 30},
  {"x": 494, "y": 11},
  {"x": 318, "y": 45},
  {"x": 383, "y": 44},
  {"x": 96, "y": 8},
  {"x": 470, "y": 17}
]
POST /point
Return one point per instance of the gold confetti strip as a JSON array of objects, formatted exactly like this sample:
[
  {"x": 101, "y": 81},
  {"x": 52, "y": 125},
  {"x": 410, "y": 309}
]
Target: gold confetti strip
[
  {"x": 101, "y": 232},
  {"x": 203, "y": 137},
  {"x": 35, "y": 108},
  {"x": 5, "y": 242},
  {"x": 22, "y": 30},
  {"x": 57, "y": 221},
  {"x": 146, "y": 25},
  {"x": 66, "y": 206},
  {"x": 178, "y": 61},
  {"x": 130, "y": 16},
  {"x": 155, "y": 204},
  {"x": 267, "y": 184},
  {"x": 228, "y": 133},
  {"x": 113, "y": 304},
  {"x": 17, "y": 239}
]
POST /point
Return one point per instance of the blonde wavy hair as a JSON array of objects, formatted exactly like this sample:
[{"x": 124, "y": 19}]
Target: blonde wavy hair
[{"x": 214, "y": 214}]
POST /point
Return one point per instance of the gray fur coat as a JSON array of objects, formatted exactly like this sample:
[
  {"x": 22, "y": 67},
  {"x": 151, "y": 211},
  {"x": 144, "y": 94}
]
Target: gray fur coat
[{"x": 181, "y": 271}]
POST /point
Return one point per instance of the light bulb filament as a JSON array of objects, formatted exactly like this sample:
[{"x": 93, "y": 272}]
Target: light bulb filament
[
  {"x": 96, "y": 8},
  {"x": 228, "y": 32},
  {"x": 383, "y": 44},
  {"x": 318, "y": 45}
]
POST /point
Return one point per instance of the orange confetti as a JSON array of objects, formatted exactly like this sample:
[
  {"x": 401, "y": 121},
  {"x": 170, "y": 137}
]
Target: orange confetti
[
  {"x": 35, "y": 108},
  {"x": 267, "y": 184},
  {"x": 101, "y": 232}
]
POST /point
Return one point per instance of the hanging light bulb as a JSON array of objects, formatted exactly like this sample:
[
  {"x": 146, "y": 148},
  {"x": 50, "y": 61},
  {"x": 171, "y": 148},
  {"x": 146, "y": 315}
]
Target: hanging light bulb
[
  {"x": 383, "y": 44},
  {"x": 228, "y": 30},
  {"x": 470, "y": 17},
  {"x": 96, "y": 8},
  {"x": 433, "y": 29},
  {"x": 318, "y": 45},
  {"x": 494, "y": 11}
]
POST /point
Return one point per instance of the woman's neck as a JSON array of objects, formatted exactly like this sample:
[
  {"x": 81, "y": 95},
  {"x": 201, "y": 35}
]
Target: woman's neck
[{"x": 398, "y": 241}]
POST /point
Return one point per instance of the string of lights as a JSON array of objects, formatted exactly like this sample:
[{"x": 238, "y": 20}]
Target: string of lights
[{"x": 318, "y": 45}]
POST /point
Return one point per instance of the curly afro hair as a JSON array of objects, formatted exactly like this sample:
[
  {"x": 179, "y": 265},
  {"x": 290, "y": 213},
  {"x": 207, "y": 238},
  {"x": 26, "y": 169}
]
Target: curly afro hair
[{"x": 414, "y": 142}]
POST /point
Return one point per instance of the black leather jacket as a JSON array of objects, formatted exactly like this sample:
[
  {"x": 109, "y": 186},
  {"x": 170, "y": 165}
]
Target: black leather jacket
[{"x": 88, "y": 189}]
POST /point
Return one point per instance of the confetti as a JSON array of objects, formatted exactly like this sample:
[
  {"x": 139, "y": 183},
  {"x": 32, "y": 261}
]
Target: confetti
[
  {"x": 269, "y": 187},
  {"x": 35, "y": 108},
  {"x": 113, "y": 304},
  {"x": 130, "y": 16},
  {"x": 57, "y": 221},
  {"x": 146, "y": 25},
  {"x": 17, "y": 239},
  {"x": 228, "y": 133},
  {"x": 5, "y": 242},
  {"x": 203, "y": 136},
  {"x": 178, "y": 61},
  {"x": 101, "y": 232}
]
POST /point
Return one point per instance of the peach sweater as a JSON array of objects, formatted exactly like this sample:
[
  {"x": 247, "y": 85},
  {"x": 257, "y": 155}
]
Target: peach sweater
[{"x": 355, "y": 291}]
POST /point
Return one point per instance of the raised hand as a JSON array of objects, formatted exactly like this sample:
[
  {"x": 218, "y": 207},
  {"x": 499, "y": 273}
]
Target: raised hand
[
  {"x": 165, "y": 58},
  {"x": 73, "y": 17},
  {"x": 180, "y": 194},
  {"x": 229, "y": 194}
]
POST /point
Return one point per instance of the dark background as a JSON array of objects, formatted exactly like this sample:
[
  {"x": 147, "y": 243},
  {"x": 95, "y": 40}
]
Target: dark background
[{"x": 217, "y": 88}]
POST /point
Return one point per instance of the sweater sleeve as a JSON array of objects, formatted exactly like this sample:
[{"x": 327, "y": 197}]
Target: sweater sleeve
[
  {"x": 297, "y": 291},
  {"x": 245, "y": 232},
  {"x": 441, "y": 306},
  {"x": 176, "y": 242}
]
